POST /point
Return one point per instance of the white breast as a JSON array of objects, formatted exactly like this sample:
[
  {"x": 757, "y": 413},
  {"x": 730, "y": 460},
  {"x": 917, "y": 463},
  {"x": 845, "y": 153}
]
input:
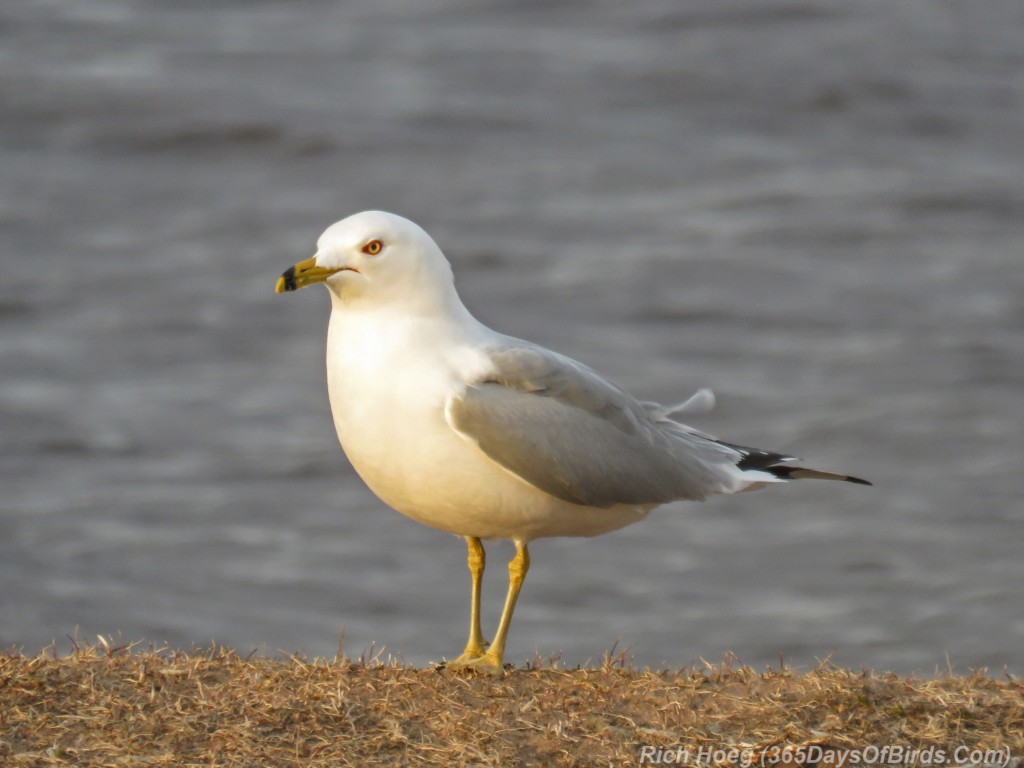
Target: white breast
[{"x": 389, "y": 379}]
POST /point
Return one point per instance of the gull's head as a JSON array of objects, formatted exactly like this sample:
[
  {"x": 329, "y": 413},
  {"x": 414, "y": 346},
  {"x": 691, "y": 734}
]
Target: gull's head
[{"x": 375, "y": 258}]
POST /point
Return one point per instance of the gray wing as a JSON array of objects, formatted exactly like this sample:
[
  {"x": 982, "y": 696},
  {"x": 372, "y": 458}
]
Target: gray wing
[{"x": 566, "y": 430}]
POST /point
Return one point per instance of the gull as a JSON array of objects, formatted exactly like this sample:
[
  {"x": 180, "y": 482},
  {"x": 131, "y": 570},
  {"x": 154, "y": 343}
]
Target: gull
[{"x": 486, "y": 436}]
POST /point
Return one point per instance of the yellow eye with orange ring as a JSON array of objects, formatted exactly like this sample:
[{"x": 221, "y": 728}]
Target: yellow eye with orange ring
[{"x": 373, "y": 247}]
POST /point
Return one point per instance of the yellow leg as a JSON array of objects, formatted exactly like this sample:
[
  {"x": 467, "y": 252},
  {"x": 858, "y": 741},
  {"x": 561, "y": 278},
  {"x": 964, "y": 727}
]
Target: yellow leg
[
  {"x": 492, "y": 661},
  {"x": 476, "y": 560},
  {"x": 517, "y": 569}
]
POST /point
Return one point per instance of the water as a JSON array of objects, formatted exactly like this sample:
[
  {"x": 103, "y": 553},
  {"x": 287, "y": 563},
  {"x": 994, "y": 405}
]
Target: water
[{"x": 815, "y": 208}]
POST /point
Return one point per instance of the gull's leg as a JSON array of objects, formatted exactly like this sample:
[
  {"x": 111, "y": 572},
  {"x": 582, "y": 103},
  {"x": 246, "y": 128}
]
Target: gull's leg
[
  {"x": 476, "y": 643},
  {"x": 493, "y": 659},
  {"x": 517, "y": 569}
]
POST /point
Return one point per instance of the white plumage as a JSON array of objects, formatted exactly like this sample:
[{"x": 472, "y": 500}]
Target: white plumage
[{"x": 485, "y": 436}]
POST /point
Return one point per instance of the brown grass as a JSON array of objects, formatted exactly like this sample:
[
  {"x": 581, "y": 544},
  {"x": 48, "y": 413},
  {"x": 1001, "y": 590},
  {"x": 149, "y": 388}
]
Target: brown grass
[{"x": 107, "y": 706}]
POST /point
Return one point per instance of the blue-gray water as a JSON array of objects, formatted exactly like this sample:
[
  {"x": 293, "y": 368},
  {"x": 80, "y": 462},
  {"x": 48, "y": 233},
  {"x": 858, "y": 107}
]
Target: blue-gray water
[{"x": 814, "y": 208}]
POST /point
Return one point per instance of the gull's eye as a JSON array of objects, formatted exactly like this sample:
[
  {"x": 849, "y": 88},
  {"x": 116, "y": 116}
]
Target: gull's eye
[{"x": 373, "y": 247}]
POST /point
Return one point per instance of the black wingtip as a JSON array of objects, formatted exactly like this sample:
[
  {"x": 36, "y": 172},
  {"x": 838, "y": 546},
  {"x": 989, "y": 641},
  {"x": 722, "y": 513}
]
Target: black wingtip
[
  {"x": 857, "y": 480},
  {"x": 789, "y": 472}
]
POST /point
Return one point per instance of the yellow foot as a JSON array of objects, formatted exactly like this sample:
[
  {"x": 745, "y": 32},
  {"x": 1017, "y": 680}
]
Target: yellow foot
[
  {"x": 488, "y": 663},
  {"x": 468, "y": 656}
]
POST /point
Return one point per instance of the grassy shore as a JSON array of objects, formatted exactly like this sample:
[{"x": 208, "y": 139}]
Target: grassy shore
[{"x": 106, "y": 706}]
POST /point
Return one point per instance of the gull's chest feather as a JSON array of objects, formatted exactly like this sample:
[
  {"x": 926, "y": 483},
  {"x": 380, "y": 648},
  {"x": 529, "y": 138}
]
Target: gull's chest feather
[
  {"x": 384, "y": 378},
  {"x": 389, "y": 381}
]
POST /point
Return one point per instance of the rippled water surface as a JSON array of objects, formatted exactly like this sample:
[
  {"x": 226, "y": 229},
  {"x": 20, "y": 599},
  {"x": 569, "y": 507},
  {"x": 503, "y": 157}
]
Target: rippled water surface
[{"x": 815, "y": 208}]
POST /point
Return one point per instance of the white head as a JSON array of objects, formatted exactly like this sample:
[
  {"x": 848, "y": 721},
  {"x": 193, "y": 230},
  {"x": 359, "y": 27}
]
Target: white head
[{"x": 378, "y": 259}]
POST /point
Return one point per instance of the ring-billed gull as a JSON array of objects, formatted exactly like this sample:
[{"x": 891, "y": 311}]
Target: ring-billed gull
[{"x": 486, "y": 436}]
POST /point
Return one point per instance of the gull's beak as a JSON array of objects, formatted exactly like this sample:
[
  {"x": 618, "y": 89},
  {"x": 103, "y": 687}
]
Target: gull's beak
[{"x": 302, "y": 274}]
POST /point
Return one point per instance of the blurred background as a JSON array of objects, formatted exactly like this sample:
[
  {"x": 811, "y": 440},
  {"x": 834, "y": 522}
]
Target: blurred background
[{"x": 815, "y": 208}]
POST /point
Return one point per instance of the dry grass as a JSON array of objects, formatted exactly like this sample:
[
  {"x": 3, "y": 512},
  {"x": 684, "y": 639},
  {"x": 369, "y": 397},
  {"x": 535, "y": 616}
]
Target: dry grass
[{"x": 125, "y": 707}]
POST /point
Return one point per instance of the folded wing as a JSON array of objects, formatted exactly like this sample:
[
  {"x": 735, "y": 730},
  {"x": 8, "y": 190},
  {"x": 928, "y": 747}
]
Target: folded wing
[{"x": 568, "y": 431}]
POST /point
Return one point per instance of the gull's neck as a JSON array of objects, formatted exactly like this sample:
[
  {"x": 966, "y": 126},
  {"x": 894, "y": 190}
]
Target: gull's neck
[
  {"x": 371, "y": 350},
  {"x": 431, "y": 319}
]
